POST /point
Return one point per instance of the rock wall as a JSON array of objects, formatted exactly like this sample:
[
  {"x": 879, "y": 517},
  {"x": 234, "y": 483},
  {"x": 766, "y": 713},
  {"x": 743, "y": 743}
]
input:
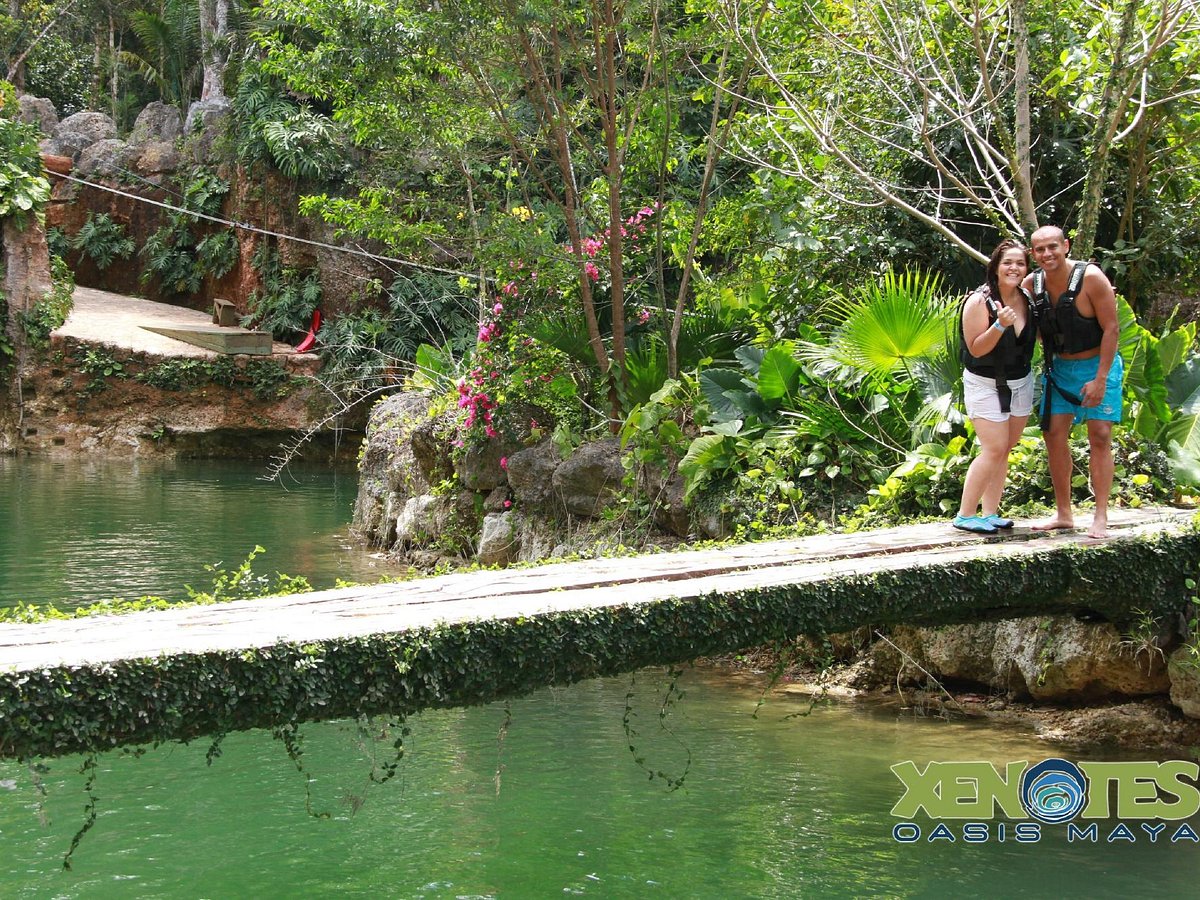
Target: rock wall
[
  {"x": 67, "y": 411},
  {"x": 1057, "y": 660},
  {"x": 152, "y": 163}
]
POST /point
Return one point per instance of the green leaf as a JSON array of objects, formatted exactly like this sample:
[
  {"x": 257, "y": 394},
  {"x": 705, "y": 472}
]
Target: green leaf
[
  {"x": 705, "y": 456},
  {"x": 779, "y": 373},
  {"x": 726, "y": 391}
]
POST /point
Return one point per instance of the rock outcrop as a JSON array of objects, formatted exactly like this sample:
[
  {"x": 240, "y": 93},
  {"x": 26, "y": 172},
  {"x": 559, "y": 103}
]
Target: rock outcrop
[
  {"x": 498, "y": 501},
  {"x": 1047, "y": 659}
]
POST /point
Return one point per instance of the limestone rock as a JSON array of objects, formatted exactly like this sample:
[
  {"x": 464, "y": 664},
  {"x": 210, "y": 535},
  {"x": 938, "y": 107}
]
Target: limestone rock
[
  {"x": 86, "y": 126},
  {"x": 589, "y": 477},
  {"x": 108, "y": 157},
  {"x": 38, "y": 111},
  {"x": 496, "y": 500},
  {"x": 389, "y": 476},
  {"x": 68, "y": 145},
  {"x": 712, "y": 524},
  {"x": 158, "y": 157},
  {"x": 480, "y": 469},
  {"x": 1184, "y": 671},
  {"x": 421, "y": 521},
  {"x": 1077, "y": 660},
  {"x": 498, "y": 543},
  {"x": 207, "y": 121},
  {"x": 666, "y": 498},
  {"x": 431, "y": 450},
  {"x": 531, "y": 473},
  {"x": 157, "y": 123},
  {"x": 1056, "y": 658}
]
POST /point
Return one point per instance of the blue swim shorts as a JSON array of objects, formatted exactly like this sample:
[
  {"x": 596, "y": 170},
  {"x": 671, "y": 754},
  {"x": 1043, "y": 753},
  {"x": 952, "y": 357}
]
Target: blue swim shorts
[{"x": 1071, "y": 375}]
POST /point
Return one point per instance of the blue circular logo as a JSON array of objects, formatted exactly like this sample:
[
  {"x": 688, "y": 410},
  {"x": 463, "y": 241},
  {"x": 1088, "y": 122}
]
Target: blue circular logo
[{"x": 1054, "y": 791}]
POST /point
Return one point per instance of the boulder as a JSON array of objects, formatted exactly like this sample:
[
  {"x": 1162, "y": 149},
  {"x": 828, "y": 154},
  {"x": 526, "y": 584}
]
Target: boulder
[
  {"x": 108, "y": 158},
  {"x": 498, "y": 544},
  {"x": 388, "y": 474},
  {"x": 87, "y": 127},
  {"x": 157, "y": 123},
  {"x": 1184, "y": 672},
  {"x": 590, "y": 477},
  {"x": 68, "y": 145},
  {"x": 1056, "y": 658},
  {"x": 421, "y": 521},
  {"x": 531, "y": 474},
  {"x": 480, "y": 468},
  {"x": 38, "y": 111},
  {"x": 431, "y": 450},
  {"x": 666, "y": 499},
  {"x": 207, "y": 121},
  {"x": 157, "y": 158}
]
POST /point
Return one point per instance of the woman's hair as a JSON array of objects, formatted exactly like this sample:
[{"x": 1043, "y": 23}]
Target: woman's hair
[{"x": 993, "y": 266}]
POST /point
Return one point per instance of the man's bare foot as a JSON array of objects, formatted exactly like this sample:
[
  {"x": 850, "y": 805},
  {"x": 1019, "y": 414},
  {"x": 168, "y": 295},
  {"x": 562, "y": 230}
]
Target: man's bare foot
[
  {"x": 1099, "y": 528},
  {"x": 1058, "y": 523}
]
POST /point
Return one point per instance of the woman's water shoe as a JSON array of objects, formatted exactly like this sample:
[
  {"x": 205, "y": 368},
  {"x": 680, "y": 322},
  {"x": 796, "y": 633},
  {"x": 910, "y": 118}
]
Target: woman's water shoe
[
  {"x": 974, "y": 523},
  {"x": 998, "y": 521}
]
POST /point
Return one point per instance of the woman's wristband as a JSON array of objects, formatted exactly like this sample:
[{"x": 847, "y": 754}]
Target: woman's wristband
[{"x": 998, "y": 325}]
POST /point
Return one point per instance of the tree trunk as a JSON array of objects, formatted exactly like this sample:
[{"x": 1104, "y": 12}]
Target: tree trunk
[
  {"x": 214, "y": 47},
  {"x": 16, "y": 73},
  {"x": 1112, "y": 109},
  {"x": 1022, "y": 179}
]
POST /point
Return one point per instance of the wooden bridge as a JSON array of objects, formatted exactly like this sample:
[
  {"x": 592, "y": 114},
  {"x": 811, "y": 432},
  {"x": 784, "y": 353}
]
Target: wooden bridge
[{"x": 103, "y": 681}]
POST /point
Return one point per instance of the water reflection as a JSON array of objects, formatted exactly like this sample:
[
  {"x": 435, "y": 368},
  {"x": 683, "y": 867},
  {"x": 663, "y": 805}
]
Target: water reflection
[
  {"x": 772, "y": 807},
  {"x": 86, "y": 530}
]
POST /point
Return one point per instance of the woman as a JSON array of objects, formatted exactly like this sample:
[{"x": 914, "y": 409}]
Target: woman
[{"x": 996, "y": 344}]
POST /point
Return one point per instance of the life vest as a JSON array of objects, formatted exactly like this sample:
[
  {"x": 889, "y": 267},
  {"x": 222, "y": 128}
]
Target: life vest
[
  {"x": 1012, "y": 357},
  {"x": 1064, "y": 329}
]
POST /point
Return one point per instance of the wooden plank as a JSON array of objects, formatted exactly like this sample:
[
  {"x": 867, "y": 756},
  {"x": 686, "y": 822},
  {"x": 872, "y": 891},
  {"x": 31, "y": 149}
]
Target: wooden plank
[{"x": 219, "y": 338}]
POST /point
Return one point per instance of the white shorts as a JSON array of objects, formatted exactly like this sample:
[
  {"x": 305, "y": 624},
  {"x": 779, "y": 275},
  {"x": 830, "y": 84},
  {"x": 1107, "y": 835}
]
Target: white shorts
[{"x": 982, "y": 401}]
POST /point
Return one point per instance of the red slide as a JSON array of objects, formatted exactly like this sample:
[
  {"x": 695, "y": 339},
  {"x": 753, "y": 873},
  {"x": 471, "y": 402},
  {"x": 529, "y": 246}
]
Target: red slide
[{"x": 310, "y": 339}]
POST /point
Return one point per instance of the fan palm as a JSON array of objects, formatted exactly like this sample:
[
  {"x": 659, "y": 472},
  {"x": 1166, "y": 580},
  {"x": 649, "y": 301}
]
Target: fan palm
[{"x": 882, "y": 330}]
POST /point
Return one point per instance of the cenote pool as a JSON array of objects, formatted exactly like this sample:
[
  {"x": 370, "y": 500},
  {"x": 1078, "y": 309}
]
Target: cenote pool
[{"x": 536, "y": 798}]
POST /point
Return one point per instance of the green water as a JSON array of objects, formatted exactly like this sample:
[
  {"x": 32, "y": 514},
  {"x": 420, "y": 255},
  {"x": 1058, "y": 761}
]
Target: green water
[
  {"x": 543, "y": 798},
  {"x": 79, "y": 531}
]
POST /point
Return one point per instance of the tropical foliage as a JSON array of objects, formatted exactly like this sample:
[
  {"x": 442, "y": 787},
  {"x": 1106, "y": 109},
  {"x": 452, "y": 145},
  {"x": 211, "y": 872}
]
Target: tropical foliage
[{"x": 710, "y": 227}]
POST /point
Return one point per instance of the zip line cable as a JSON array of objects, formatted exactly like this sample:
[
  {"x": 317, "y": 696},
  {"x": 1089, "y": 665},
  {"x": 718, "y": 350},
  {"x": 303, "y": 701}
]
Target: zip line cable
[{"x": 245, "y": 226}]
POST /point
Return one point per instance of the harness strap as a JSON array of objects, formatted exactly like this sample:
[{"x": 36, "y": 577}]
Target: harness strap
[
  {"x": 1051, "y": 384},
  {"x": 1003, "y": 391}
]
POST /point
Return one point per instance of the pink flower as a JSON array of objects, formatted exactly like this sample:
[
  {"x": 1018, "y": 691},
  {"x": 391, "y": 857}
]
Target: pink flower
[
  {"x": 507, "y": 504},
  {"x": 489, "y": 431},
  {"x": 495, "y": 374},
  {"x": 504, "y": 463},
  {"x": 591, "y": 271},
  {"x": 644, "y": 315}
]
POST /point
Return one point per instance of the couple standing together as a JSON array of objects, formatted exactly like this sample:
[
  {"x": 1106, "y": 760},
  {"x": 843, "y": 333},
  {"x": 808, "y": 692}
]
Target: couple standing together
[{"x": 1072, "y": 306}]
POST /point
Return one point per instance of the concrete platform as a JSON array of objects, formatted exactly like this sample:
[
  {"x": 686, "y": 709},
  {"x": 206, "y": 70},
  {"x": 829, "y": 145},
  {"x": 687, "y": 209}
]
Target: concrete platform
[
  {"x": 120, "y": 321},
  {"x": 227, "y": 339}
]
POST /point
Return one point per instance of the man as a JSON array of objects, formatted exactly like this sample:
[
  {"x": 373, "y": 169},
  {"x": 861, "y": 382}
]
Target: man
[{"x": 1078, "y": 319}]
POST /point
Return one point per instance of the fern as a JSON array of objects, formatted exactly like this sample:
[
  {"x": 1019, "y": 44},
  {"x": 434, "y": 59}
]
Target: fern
[{"x": 103, "y": 240}]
